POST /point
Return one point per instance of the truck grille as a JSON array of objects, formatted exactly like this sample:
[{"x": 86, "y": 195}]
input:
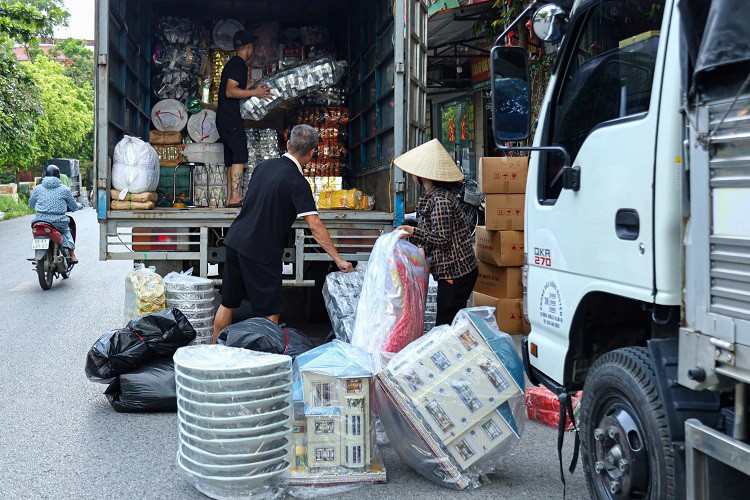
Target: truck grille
[{"x": 730, "y": 206}]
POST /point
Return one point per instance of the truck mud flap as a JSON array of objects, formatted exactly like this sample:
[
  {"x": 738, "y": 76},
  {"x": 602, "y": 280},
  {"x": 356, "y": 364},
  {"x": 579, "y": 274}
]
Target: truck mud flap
[{"x": 680, "y": 403}]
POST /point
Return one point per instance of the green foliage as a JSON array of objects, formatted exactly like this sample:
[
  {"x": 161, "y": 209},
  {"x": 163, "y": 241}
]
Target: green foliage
[
  {"x": 80, "y": 64},
  {"x": 13, "y": 209},
  {"x": 7, "y": 176},
  {"x": 65, "y": 128}
]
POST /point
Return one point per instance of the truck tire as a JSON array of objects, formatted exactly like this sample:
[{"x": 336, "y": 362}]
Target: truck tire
[{"x": 624, "y": 435}]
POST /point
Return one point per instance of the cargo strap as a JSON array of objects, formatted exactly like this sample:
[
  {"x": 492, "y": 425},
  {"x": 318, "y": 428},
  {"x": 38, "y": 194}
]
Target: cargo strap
[{"x": 566, "y": 411}]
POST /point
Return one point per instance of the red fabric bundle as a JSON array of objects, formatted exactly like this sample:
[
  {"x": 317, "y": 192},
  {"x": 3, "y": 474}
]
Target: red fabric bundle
[{"x": 543, "y": 406}]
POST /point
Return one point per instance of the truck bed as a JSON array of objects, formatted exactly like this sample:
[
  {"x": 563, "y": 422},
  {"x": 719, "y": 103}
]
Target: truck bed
[{"x": 227, "y": 215}]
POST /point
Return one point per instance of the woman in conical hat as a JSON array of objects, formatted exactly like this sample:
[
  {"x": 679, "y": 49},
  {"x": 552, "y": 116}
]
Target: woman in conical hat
[{"x": 443, "y": 231}]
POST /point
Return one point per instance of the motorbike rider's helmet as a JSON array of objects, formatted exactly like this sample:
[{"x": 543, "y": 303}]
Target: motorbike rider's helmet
[{"x": 52, "y": 171}]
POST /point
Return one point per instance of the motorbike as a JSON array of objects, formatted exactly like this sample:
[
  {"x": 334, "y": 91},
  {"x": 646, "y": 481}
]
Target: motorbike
[
  {"x": 471, "y": 200},
  {"x": 51, "y": 259}
]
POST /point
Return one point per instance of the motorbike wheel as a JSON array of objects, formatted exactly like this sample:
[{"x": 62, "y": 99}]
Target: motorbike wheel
[
  {"x": 45, "y": 272},
  {"x": 472, "y": 216}
]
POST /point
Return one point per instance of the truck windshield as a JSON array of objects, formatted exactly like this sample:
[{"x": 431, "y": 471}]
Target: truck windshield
[{"x": 608, "y": 75}]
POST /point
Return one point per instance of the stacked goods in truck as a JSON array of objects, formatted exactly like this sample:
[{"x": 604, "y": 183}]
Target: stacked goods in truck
[
  {"x": 180, "y": 59},
  {"x": 138, "y": 201}
]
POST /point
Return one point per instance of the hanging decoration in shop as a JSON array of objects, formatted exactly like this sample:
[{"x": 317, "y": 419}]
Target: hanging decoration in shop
[
  {"x": 451, "y": 130},
  {"x": 464, "y": 128}
]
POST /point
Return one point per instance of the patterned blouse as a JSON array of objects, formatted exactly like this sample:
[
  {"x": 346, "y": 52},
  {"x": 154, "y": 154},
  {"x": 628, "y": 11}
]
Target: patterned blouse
[{"x": 444, "y": 234}]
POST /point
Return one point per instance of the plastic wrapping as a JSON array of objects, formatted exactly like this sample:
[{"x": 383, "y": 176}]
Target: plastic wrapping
[
  {"x": 144, "y": 292},
  {"x": 194, "y": 60},
  {"x": 341, "y": 292},
  {"x": 262, "y": 144},
  {"x": 169, "y": 115},
  {"x": 334, "y": 440},
  {"x": 267, "y": 45},
  {"x": 263, "y": 335},
  {"x": 336, "y": 200},
  {"x": 135, "y": 167},
  {"x": 121, "y": 351},
  {"x": 430, "y": 310},
  {"x": 234, "y": 408},
  {"x": 147, "y": 389},
  {"x": 219, "y": 59},
  {"x": 453, "y": 402},
  {"x": 175, "y": 83},
  {"x": 390, "y": 313},
  {"x": 224, "y": 31},
  {"x": 194, "y": 296},
  {"x": 202, "y": 126},
  {"x": 172, "y": 30},
  {"x": 311, "y": 75},
  {"x": 180, "y": 59}
]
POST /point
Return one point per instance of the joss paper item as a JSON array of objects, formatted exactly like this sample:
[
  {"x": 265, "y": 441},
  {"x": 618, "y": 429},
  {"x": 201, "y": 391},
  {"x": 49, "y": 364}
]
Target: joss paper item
[
  {"x": 340, "y": 199},
  {"x": 452, "y": 402},
  {"x": 390, "y": 313},
  {"x": 341, "y": 292},
  {"x": 144, "y": 292},
  {"x": 334, "y": 447}
]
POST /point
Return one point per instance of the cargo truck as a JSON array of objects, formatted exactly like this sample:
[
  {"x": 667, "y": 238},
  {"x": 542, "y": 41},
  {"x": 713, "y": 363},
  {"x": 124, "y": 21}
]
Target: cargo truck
[
  {"x": 384, "y": 45},
  {"x": 637, "y": 276}
]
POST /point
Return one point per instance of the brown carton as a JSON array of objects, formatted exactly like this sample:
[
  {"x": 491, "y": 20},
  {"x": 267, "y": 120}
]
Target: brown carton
[
  {"x": 507, "y": 312},
  {"x": 501, "y": 248},
  {"x": 503, "y": 175},
  {"x": 499, "y": 282},
  {"x": 505, "y": 212}
]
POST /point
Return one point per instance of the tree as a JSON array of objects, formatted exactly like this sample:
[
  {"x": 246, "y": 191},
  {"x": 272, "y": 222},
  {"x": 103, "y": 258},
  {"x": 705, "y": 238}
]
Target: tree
[
  {"x": 79, "y": 65},
  {"x": 64, "y": 129}
]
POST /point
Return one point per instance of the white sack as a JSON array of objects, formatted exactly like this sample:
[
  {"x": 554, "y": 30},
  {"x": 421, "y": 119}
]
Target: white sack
[{"x": 135, "y": 168}]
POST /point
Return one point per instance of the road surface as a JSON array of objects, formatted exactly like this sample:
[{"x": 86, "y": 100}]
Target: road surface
[{"x": 59, "y": 438}]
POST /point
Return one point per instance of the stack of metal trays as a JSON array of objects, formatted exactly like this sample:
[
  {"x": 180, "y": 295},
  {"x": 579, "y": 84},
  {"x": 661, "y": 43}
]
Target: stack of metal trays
[
  {"x": 235, "y": 410},
  {"x": 195, "y": 297}
]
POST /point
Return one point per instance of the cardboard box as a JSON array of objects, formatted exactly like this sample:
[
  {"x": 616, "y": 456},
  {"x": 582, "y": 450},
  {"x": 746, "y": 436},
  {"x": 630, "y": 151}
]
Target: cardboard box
[
  {"x": 501, "y": 248},
  {"x": 503, "y": 175},
  {"x": 499, "y": 282},
  {"x": 505, "y": 212},
  {"x": 507, "y": 312}
]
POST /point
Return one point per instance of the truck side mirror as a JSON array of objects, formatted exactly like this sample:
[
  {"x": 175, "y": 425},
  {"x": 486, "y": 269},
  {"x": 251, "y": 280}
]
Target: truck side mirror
[
  {"x": 511, "y": 94},
  {"x": 549, "y": 23}
]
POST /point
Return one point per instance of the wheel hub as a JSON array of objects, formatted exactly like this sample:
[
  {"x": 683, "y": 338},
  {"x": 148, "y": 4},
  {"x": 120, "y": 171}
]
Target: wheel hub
[{"x": 621, "y": 456}]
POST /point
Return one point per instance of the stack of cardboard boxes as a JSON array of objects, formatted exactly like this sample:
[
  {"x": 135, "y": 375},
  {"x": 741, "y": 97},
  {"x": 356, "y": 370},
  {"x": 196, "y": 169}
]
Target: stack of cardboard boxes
[{"x": 499, "y": 243}]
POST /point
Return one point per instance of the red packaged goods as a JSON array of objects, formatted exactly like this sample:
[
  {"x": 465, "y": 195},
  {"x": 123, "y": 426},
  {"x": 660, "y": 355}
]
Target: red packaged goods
[{"x": 543, "y": 406}]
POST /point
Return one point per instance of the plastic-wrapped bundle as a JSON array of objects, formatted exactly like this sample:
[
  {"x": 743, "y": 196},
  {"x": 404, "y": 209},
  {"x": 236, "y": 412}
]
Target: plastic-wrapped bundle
[
  {"x": 135, "y": 167},
  {"x": 263, "y": 335},
  {"x": 219, "y": 59},
  {"x": 144, "y": 292},
  {"x": 337, "y": 200},
  {"x": 175, "y": 84},
  {"x": 234, "y": 407},
  {"x": 202, "y": 126},
  {"x": 452, "y": 403},
  {"x": 267, "y": 45},
  {"x": 341, "y": 293},
  {"x": 262, "y": 144},
  {"x": 179, "y": 31},
  {"x": 194, "y": 296},
  {"x": 335, "y": 96},
  {"x": 430, "y": 310},
  {"x": 334, "y": 446},
  {"x": 224, "y": 31},
  {"x": 390, "y": 313},
  {"x": 149, "y": 388},
  {"x": 169, "y": 115},
  {"x": 291, "y": 83},
  {"x": 194, "y": 60}
]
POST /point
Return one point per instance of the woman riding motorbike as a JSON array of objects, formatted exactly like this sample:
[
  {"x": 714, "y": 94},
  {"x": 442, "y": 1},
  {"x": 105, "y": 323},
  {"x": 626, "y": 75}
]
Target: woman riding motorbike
[{"x": 52, "y": 201}]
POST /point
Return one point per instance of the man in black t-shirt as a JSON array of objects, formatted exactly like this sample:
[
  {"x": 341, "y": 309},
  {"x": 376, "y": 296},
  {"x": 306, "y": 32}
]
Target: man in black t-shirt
[
  {"x": 234, "y": 86},
  {"x": 278, "y": 194}
]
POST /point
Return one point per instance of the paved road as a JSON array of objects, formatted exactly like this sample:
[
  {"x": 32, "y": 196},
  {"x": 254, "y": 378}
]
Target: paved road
[{"x": 59, "y": 438}]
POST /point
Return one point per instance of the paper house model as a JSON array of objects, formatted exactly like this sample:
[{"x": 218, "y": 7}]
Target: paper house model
[{"x": 454, "y": 390}]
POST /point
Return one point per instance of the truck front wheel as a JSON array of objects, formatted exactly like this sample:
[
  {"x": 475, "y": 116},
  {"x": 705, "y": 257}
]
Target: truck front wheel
[{"x": 624, "y": 435}]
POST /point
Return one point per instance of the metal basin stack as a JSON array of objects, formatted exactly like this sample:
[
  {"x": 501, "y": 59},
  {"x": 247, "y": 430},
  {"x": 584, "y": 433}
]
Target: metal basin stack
[
  {"x": 195, "y": 297},
  {"x": 234, "y": 410}
]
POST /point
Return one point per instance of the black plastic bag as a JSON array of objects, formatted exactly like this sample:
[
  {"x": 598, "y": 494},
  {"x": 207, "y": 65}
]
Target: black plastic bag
[
  {"x": 115, "y": 353},
  {"x": 150, "y": 388},
  {"x": 164, "y": 331},
  {"x": 261, "y": 334}
]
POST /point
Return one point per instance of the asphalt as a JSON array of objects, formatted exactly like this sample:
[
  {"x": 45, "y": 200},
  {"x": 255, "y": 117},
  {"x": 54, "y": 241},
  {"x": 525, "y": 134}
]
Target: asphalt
[{"x": 59, "y": 438}]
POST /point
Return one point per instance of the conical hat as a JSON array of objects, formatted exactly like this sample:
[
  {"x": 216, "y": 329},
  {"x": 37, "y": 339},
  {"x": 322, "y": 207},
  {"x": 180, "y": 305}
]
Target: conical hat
[{"x": 430, "y": 161}]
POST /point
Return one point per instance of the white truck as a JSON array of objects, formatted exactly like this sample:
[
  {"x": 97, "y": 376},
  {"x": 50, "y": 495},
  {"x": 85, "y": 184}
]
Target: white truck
[{"x": 637, "y": 281}]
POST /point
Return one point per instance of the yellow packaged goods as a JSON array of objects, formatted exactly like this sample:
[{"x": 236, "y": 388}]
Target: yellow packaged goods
[
  {"x": 368, "y": 202},
  {"x": 167, "y": 138},
  {"x": 144, "y": 293},
  {"x": 499, "y": 282},
  {"x": 508, "y": 312},
  {"x": 341, "y": 199},
  {"x": 170, "y": 156},
  {"x": 132, "y": 205},
  {"x": 137, "y": 197},
  {"x": 503, "y": 175},
  {"x": 505, "y": 212},
  {"x": 501, "y": 248}
]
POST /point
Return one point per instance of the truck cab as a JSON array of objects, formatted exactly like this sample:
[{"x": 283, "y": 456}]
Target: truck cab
[{"x": 620, "y": 299}]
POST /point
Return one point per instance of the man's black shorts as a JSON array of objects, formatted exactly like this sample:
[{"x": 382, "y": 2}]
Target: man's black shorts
[
  {"x": 258, "y": 283},
  {"x": 235, "y": 143}
]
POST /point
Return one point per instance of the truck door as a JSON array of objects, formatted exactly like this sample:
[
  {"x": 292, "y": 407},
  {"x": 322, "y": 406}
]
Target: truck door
[{"x": 603, "y": 108}]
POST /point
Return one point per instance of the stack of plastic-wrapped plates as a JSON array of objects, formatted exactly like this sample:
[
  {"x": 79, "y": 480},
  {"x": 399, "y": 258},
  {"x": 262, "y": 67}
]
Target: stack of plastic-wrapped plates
[
  {"x": 235, "y": 409},
  {"x": 195, "y": 297}
]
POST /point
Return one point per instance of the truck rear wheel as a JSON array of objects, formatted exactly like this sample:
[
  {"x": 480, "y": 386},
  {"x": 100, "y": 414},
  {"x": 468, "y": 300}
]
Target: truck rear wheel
[{"x": 624, "y": 435}]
